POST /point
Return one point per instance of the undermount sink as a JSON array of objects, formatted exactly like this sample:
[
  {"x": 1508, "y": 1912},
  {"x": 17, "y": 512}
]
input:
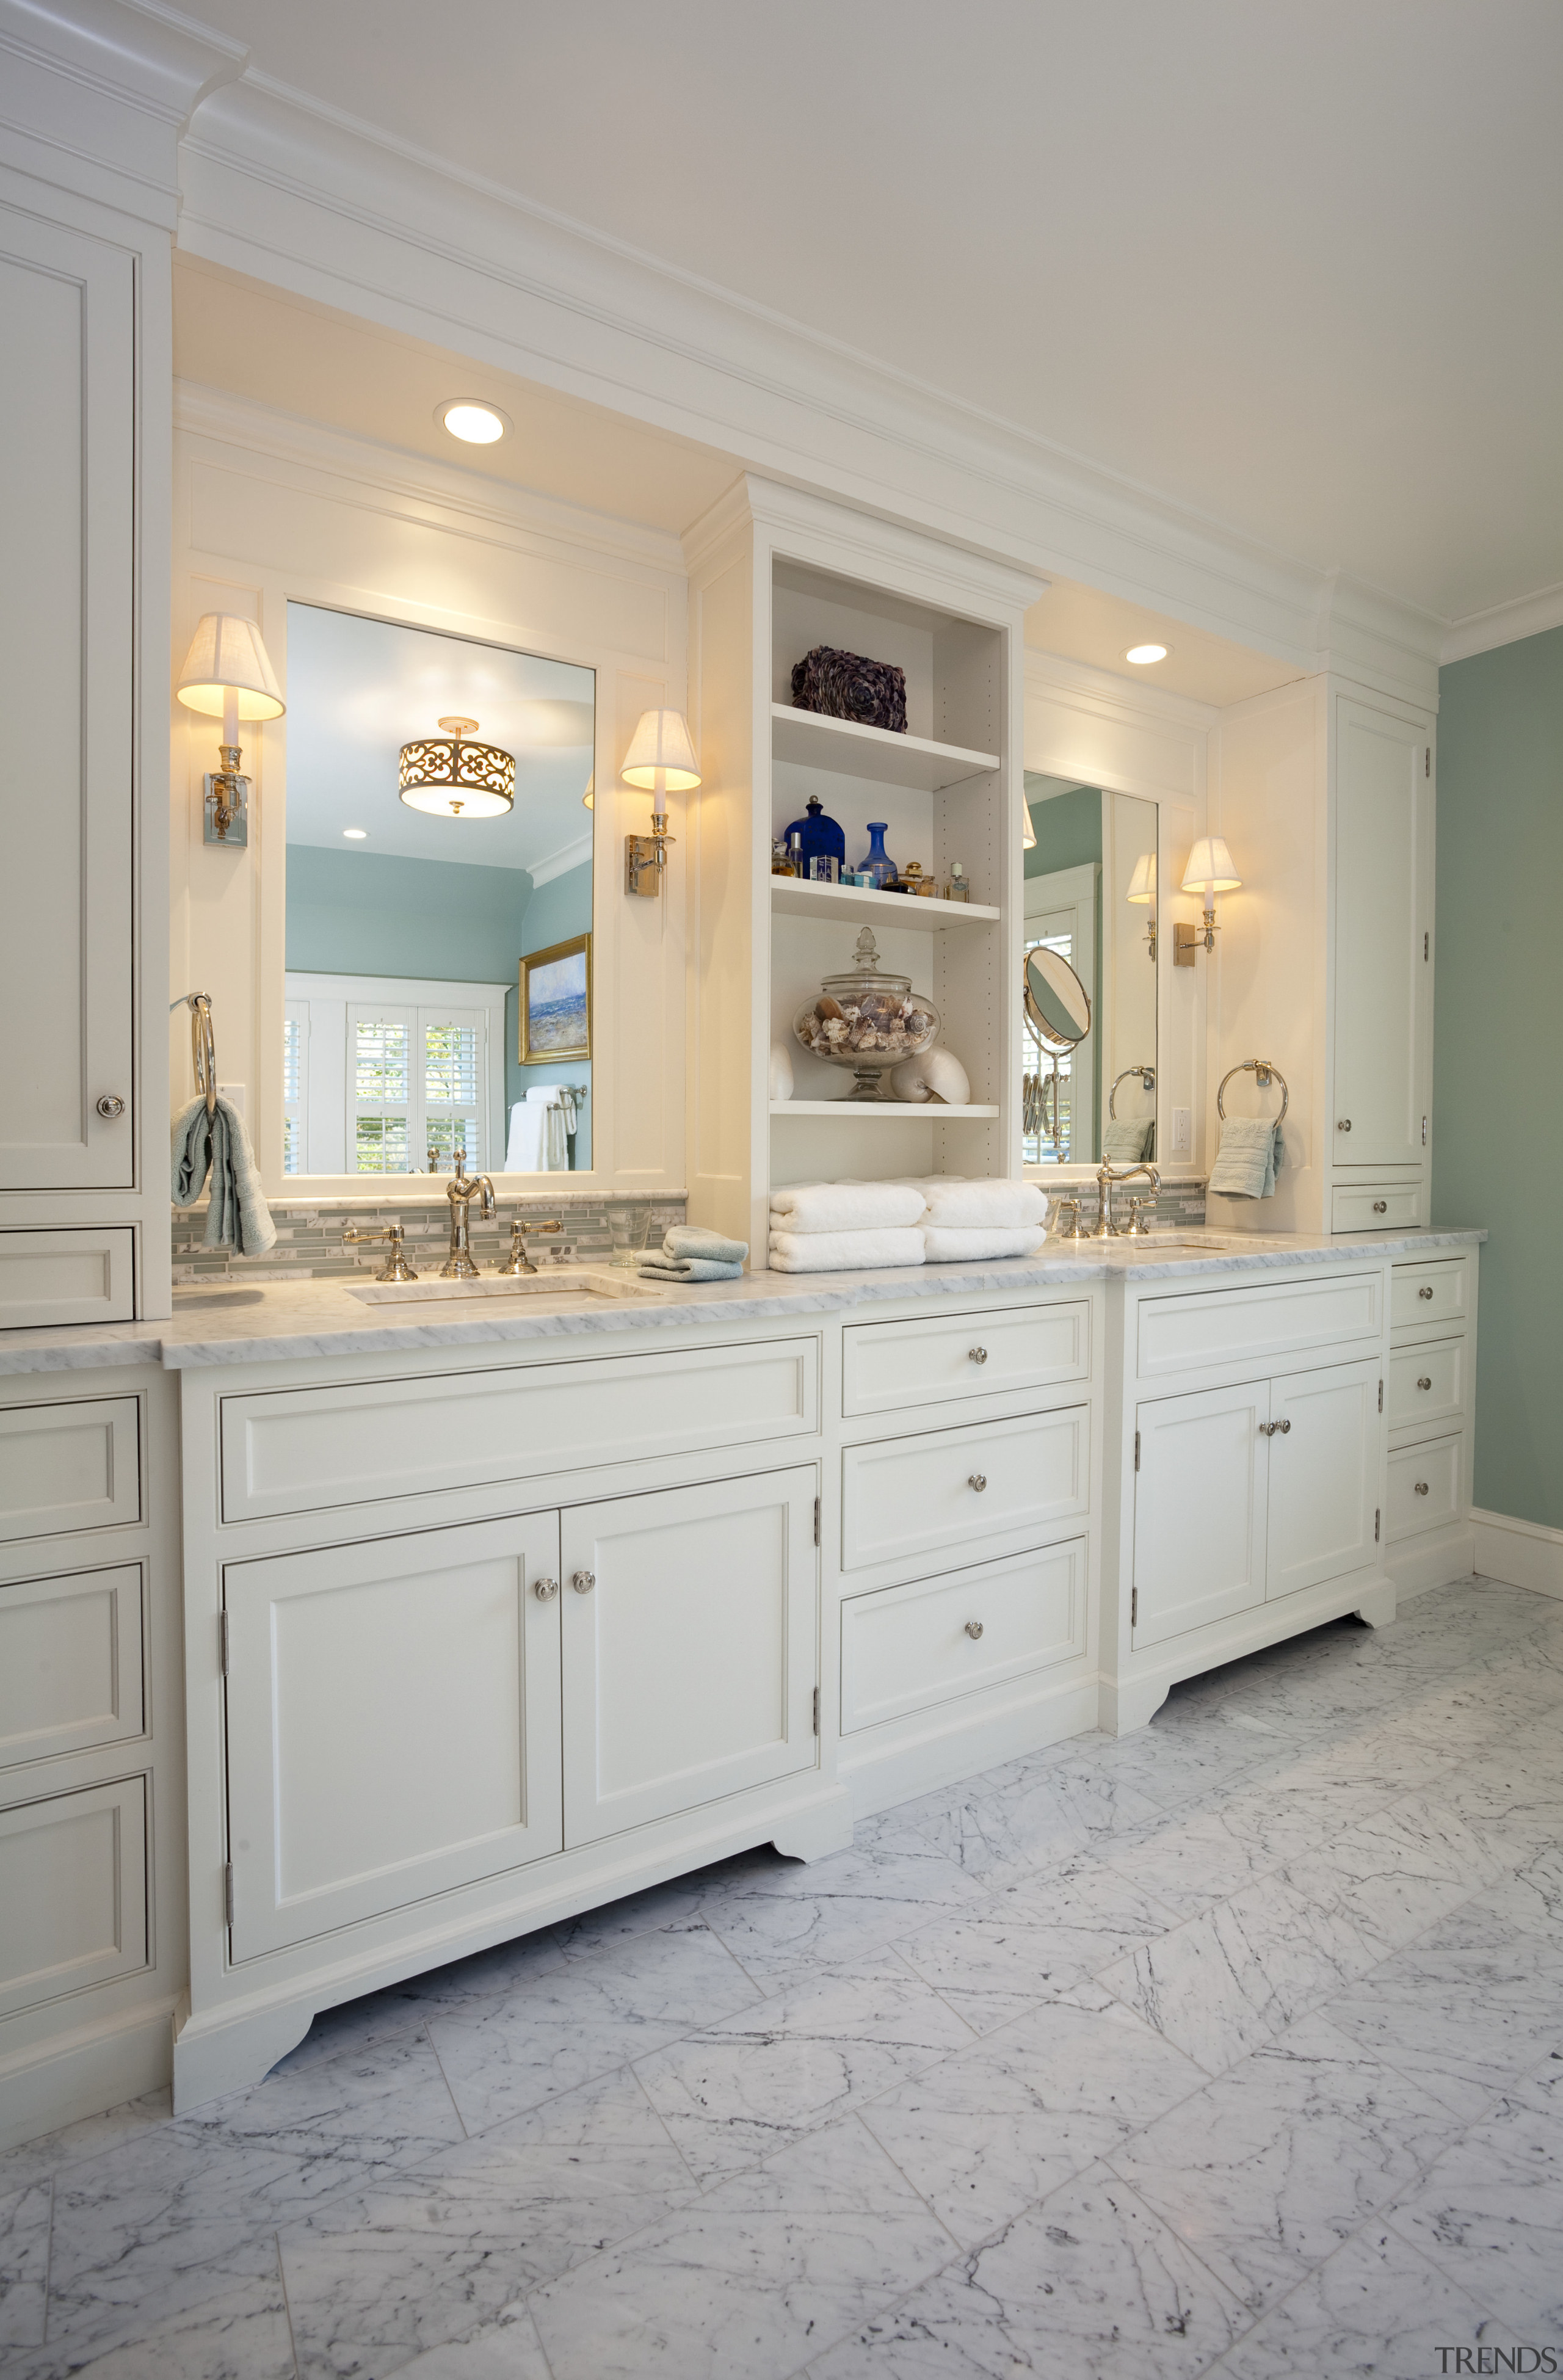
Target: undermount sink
[{"x": 557, "y": 1283}]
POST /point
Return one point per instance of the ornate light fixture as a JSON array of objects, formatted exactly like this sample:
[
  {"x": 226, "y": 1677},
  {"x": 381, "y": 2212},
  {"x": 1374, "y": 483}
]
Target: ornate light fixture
[
  {"x": 228, "y": 675},
  {"x": 449, "y": 778}
]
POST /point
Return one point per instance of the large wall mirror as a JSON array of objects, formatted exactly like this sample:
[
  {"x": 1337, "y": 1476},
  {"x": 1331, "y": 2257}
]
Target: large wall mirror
[
  {"x": 1089, "y": 997},
  {"x": 438, "y": 987}
]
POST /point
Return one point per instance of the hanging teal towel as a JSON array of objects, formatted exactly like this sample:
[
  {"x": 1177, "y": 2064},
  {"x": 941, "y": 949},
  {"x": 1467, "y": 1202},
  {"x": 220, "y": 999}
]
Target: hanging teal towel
[
  {"x": 1248, "y": 1160},
  {"x": 1123, "y": 1139},
  {"x": 218, "y": 1145}
]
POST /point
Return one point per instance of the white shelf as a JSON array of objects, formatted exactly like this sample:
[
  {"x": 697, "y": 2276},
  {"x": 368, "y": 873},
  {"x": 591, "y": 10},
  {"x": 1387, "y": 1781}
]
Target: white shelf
[
  {"x": 856, "y": 751},
  {"x": 905, "y": 1111},
  {"x": 792, "y": 896}
]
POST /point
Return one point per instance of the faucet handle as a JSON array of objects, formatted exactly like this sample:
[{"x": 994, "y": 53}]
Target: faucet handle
[{"x": 395, "y": 1266}]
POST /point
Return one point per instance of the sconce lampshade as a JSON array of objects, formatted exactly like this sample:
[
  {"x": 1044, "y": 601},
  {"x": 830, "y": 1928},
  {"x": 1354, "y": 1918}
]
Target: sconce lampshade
[
  {"x": 1142, "y": 884},
  {"x": 1028, "y": 832},
  {"x": 227, "y": 659},
  {"x": 1210, "y": 868},
  {"x": 661, "y": 757}
]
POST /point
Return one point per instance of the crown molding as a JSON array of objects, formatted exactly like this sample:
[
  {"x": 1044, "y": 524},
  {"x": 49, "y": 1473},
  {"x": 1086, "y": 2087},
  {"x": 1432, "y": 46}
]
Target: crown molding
[
  {"x": 1505, "y": 623},
  {"x": 1125, "y": 698},
  {"x": 560, "y": 862}
]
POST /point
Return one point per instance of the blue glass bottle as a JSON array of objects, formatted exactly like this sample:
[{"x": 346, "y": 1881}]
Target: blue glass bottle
[
  {"x": 877, "y": 866},
  {"x": 820, "y": 837}
]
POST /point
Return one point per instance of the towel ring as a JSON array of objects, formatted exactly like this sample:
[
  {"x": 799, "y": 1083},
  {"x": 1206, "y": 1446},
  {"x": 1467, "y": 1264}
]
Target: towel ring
[
  {"x": 203, "y": 1044},
  {"x": 1147, "y": 1075},
  {"x": 1261, "y": 1070}
]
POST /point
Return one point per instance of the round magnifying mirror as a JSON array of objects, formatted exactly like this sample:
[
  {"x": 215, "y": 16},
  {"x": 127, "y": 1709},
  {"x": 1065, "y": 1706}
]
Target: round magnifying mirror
[{"x": 1058, "y": 1006}]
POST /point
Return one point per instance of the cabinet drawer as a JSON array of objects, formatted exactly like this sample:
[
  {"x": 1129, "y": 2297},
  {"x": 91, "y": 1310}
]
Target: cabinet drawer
[
  {"x": 67, "y": 1466},
  {"x": 1424, "y": 1486},
  {"x": 310, "y": 1449},
  {"x": 908, "y": 1647},
  {"x": 75, "y": 1276},
  {"x": 1430, "y": 1295},
  {"x": 1178, "y": 1334},
  {"x": 73, "y": 1885},
  {"x": 1427, "y": 1385},
  {"x": 902, "y": 1497},
  {"x": 1378, "y": 1206},
  {"x": 888, "y": 1364},
  {"x": 70, "y": 1662}
]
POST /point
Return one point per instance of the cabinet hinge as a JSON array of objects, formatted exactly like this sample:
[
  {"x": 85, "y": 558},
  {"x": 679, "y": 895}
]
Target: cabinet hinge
[
  {"x": 1426, "y": 944},
  {"x": 1381, "y": 1396},
  {"x": 1424, "y": 1132},
  {"x": 1133, "y": 1606},
  {"x": 228, "y": 1894},
  {"x": 1427, "y": 762},
  {"x": 223, "y": 1641},
  {"x": 816, "y": 1710},
  {"x": 1136, "y": 1449},
  {"x": 1376, "y": 1511},
  {"x": 816, "y": 1520}
]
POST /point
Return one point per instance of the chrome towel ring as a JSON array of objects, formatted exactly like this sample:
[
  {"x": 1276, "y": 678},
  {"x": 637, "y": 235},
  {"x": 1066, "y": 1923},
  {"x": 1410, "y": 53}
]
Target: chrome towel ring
[
  {"x": 1147, "y": 1075},
  {"x": 1261, "y": 1070}
]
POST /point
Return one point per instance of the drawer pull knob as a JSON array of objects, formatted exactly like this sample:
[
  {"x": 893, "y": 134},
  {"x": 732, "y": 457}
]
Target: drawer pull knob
[
  {"x": 110, "y": 1107},
  {"x": 978, "y": 1354},
  {"x": 1425, "y": 1382},
  {"x": 974, "y": 1629},
  {"x": 583, "y": 1581},
  {"x": 1381, "y": 1206},
  {"x": 545, "y": 1589},
  {"x": 1343, "y": 1123},
  {"x": 1426, "y": 1290},
  {"x": 977, "y": 1479},
  {"x": 1422, "y": 1486}
]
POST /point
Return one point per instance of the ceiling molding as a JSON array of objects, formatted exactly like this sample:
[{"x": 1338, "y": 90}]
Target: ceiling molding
[
  {"x": 1506, "y": 624},
  {"x": 1129, "y": 698},
  {"x": 560, "y": 862},
  {"x": 281, "y": 187}
]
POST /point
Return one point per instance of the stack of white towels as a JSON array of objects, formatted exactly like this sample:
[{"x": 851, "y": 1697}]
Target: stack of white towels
[{"x": 862, "y": 1226}]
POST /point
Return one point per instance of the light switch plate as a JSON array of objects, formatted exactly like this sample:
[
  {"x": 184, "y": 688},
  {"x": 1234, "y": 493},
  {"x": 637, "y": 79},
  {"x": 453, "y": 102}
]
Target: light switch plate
[{"x": 1182, "y": 1132}]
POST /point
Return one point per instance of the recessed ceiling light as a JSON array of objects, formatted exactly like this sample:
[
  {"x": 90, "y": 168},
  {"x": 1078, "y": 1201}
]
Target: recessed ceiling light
[
  {"x": 356, "y": 833},
  {"x": 475, "y": 424},
  {"x": 1146, "y": 653}
]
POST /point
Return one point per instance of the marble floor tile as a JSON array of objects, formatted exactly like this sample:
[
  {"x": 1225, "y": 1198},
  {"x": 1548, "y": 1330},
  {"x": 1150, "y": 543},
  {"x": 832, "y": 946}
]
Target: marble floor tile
[
  {"x": 1531, "y": 1897},
  {"x": 783, "y": 1927},
  {"x": 1490, "y": 2212},
  {"x": 1089, "y": 2283},
  {"x": 1030, "y": 1813},
  {"x": 673, "y": 1908},
  {"x": 1034, "y": 1940},
  {"x": 429, "y": 2259},
  {"x": 995, "y": 2128},
  {"x": 741, "y": 2089},
  {"x": 563, "y": 2027},
  {"x": 765, "y": 2269},
  {"x": 1169, "y": 1764},
  {"x": 1375, "y": 2310},
  {"x": 76, "y": 2144},
  {"x": 1466, "y": 2008},
  {"x": 358, "y": 2025},
  {"x": 24, "y": 2264},
  {"x": 1265, "y": 2172},
  {"x": 1193, "y": 1860},
  {"x": 1399, "y": 1872},
  {"x": 513, "y": 2351},
  {"x": 239, "y": 2334}
]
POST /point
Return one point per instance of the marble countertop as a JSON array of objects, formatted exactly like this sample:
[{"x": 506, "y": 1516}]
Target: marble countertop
[{"x": 288, "y": 1320}]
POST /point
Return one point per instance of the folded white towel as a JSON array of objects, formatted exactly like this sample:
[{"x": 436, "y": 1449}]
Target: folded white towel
[
  {"x": 844, "y": 1251},
  {"x": 963, "y": 1247},
  {"x": 845, "y": 1206},
  {"x": 982, "y": 1205}
]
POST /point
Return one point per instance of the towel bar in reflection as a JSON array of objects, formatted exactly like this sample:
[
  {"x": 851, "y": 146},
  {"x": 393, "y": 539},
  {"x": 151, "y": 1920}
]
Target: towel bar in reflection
[{"x": 1147, "y": 1075}]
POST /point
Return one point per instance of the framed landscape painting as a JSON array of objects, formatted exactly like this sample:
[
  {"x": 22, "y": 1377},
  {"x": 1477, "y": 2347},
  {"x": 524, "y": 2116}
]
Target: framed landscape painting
[{"x": 556, "y": 1003}]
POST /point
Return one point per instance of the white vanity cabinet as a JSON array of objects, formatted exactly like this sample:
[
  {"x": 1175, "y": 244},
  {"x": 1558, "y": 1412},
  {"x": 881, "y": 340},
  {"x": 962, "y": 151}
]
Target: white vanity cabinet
[{"x": 1430, "y": 1400}]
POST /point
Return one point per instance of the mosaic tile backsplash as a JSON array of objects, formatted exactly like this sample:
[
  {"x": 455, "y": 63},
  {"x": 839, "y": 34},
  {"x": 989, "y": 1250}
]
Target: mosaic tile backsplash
[{"x": 309, "y": 1238}]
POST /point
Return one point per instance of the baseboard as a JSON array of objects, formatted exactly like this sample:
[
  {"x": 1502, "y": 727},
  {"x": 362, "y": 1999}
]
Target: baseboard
[
  {"x": 74, "y": 2074},
  {"x": 1433, "y": 1558},
  {"x": 1518, "y": 1553}
]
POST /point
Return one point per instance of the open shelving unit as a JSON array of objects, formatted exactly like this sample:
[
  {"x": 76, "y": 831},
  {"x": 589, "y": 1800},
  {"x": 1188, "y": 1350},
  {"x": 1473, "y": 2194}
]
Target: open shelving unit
[{"x": 853, "y": 904}]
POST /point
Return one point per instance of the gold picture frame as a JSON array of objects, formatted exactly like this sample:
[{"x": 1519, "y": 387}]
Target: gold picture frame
[{"x": 555, "y": 1004}]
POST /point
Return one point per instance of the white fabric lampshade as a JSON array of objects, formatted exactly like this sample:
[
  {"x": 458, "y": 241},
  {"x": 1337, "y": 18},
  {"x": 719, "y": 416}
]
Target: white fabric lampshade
[
  {"x": 227, "y": 656},
  {"x": 1028, "y": 833},
  {"x": 1210, "y": 868},
  {"x": 661, "y": 757},
  {"x": 1142, "y": 884}
]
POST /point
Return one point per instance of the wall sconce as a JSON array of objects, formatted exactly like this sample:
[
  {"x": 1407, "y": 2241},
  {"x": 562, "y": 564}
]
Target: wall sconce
[
  {"x": 1142, "y": 891},
  {"x": 661, "y": 761},
  {"x": 1209, "y": 871},
  {"x": 228, "y": 675}
]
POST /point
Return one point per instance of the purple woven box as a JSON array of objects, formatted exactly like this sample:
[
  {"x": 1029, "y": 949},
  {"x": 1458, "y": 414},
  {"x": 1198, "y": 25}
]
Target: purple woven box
[{"x": 846, "y": 686}]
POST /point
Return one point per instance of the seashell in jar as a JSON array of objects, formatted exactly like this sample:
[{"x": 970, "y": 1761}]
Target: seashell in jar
[
  {"x": 825, "y": 1007},
  {"x": 881, "y": 1008}
]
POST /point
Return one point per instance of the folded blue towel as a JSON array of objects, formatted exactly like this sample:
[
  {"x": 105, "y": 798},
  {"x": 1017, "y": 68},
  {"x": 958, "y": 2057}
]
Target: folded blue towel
[
  {"x": 1123, "y": 1138},
  {"x": 666, "y": 1268},
  {"x": 218, "y": 1145},
  {"x": 712, "y": 1247},
  {"x": 1248, "y": 1160}
]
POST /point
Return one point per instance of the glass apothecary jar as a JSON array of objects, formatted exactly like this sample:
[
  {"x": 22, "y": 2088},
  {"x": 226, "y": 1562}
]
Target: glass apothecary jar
[{"x": 868, "y": 1019}]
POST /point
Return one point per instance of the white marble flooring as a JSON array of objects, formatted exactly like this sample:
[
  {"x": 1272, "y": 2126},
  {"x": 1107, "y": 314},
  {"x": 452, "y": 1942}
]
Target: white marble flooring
[{"x": 1234, "y": 2046}]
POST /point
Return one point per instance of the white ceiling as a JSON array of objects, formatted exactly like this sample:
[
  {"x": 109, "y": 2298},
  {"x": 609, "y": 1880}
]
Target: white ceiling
[
  {"x": 1293, "y": 266},
  {"x": 358, "y": 689}
]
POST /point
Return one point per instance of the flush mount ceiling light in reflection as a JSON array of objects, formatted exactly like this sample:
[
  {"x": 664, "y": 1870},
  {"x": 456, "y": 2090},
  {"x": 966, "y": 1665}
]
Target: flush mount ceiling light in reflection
[
  {"x": 1143, "y": 655},
  {"x": 474, "y": 423},
  {"x": 354, "y": 834},
  {"x": 448, "y": 777}
]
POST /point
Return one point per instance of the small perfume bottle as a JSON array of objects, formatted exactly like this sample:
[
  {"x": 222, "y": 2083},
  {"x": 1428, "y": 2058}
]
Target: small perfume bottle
[
  {"x": 959, "y": 887},
  {"x": 780, "y": 863}
]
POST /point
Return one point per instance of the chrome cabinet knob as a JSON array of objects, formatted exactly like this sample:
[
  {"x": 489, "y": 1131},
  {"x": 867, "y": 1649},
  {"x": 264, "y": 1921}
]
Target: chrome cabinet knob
[
  {"x": 583, "y": 1581},
  {"x": 976, "y": 1479},
  {"x": 1273, "y": 1428},
  {"x": 1426, "y": 1290},
  {"x": 545, "y": 1589},
  {"x": 110, "y": 1107},
  {"x": 974, "y": 1629},
  {"x": 978, "y": 1354},
  {"x": 1425, "y": 1382},
  {"x": 1381, "y": 1206},
  {"x": 1422, "y": 1486},
  {"x": 1284, "y": 1428},
  {"x": 1343, "y": 1123}
]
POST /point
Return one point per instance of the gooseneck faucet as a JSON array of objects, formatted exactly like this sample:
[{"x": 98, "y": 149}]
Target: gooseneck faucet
[
  {"x": 1106, "y": 1176},
  {"x": 459, "y": 1264}
]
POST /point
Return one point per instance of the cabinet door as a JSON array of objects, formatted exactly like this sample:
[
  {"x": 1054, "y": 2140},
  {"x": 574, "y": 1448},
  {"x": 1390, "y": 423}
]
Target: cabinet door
[
  {"x": 393, "y": 1723},
  {"x": 690, "y": 1631},
  {"x": 1199, "y": 1510},
  {"x": 1326, "y": 1435},
  {"x": 67, "y": 395},
  {"x": 1383, "y": 1019}
]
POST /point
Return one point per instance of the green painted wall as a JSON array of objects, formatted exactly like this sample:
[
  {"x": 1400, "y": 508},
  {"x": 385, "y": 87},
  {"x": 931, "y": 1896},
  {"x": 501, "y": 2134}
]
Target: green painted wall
[
  {"x": 367, "y": 913},
  {"x": 1068, "y": 834},
  {"x": 1498, "y": 1013}
]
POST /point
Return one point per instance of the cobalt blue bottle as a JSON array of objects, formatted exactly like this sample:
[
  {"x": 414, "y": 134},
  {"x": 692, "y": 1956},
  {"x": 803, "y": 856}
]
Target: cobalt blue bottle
[
  {"x": 820, "y": 838},
  {"x": 876, "y": 866}
]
